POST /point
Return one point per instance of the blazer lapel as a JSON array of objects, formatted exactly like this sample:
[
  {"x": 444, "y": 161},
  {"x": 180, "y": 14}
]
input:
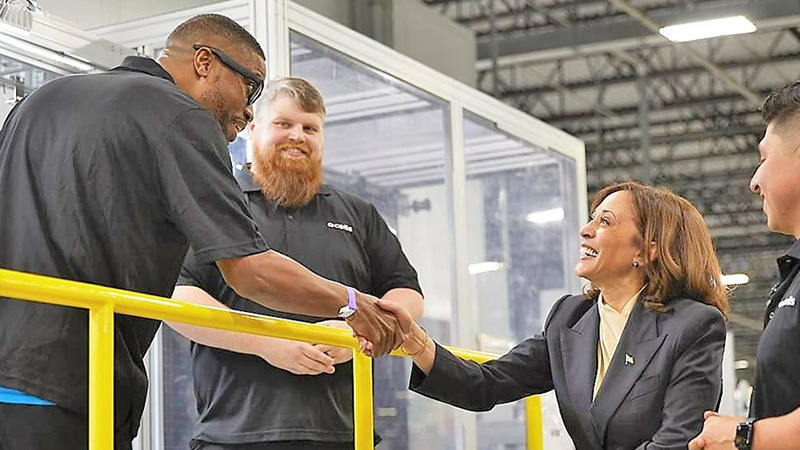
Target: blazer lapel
[
  {"x": 637, "y": 345},
  {"x": 579, "y": 350}
]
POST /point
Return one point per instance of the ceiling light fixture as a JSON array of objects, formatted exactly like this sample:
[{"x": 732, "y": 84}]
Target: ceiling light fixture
[
  {"x": 17, "y": 14},
  {"x": 27, "y": 48},
  {"x": 735, "y": 278},
  {"x": 549, "y": 215},
  {"x": 483, "y": 267},
  {"x": 707, "y": 29}
]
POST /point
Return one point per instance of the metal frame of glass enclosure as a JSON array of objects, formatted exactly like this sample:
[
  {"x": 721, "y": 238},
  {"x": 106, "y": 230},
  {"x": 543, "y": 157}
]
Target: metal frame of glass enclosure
[{"x": 275, "y": 23}]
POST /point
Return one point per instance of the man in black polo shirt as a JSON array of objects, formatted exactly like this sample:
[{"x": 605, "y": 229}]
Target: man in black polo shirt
[
  {"x": 107, "y": 178},
  {"x": 776, "y": 391},
  {"x": 260, "y": 393}
]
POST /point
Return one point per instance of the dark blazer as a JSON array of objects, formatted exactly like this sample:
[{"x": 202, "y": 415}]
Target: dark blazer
[{"x": 665, "y": 372}]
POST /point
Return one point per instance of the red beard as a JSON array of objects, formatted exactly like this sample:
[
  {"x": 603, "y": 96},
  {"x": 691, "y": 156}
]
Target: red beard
[{"x": 289, "y": 182}]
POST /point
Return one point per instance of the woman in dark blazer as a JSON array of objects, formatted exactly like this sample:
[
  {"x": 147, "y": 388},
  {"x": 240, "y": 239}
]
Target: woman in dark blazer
[{"x": 640, "y": 383}]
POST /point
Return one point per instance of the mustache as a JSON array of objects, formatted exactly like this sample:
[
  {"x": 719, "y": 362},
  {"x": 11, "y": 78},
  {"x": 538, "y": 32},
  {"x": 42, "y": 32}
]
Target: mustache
[
  {"x": 299, "y": 146},
  {"x": 289, "y": 182}
]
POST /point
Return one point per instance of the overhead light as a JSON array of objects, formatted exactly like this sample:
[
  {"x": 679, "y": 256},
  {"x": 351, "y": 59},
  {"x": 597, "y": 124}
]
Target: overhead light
[
  {"x": 741, "y": 364},
  {"x": 486, "y": 266},
  {"x": 707, "y": 29},
  {"x": 49, "y": 55},
  {"x": 549, "y": 215},
  {"x": 17, "y": 15},
  {"x": 735, "y": 278}
]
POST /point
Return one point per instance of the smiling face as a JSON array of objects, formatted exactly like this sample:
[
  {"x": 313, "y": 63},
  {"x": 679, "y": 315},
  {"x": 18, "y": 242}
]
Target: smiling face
[
  {"x": 287, "y": 132},
  {"x": 777, "y": 179},
  {"x": 610, "y": 242},
  {"x": 287, "y": 152}
]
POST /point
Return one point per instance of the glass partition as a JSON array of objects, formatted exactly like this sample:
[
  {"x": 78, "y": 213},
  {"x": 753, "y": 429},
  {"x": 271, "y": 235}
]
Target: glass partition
[
  {"x": 522, "y": 228},
  {"x": 18, "y": 79},
  {"x": 386, "y": 141}
]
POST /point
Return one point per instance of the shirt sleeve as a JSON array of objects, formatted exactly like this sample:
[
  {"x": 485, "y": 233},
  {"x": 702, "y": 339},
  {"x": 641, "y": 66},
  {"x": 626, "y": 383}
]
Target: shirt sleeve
[
  {"x": 193, "y": 174},
  {"x": 193, "y": 273},
  {"x": 389, "y": 266}
]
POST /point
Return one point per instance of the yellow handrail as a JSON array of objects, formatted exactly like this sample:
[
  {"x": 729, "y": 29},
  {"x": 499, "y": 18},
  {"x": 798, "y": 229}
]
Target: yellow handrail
[{"x": 103, "y": 303}]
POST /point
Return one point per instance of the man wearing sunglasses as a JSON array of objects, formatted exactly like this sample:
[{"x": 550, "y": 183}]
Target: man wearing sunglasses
[{"x": 108, "y": 179}]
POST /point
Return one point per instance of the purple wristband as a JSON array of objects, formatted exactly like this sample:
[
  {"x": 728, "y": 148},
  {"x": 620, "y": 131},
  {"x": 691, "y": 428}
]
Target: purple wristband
[{"x": 351, "y": 298}]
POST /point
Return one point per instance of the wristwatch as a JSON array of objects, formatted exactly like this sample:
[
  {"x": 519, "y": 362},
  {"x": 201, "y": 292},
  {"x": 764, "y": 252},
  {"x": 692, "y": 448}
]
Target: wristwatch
[
  {"x": 744, "y": 434},
  {"x": 350, "y": 308}
]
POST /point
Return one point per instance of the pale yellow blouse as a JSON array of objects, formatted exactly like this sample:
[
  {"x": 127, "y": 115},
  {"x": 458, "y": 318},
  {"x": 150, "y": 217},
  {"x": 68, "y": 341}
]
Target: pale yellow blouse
[{"x": 612, "y": 324}]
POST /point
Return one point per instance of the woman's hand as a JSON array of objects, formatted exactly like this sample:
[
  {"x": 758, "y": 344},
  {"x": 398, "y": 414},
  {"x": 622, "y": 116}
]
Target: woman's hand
[{"x": 416, "y": 342}]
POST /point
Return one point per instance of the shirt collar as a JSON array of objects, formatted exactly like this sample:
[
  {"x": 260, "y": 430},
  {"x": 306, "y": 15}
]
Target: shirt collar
[
  {"x": 144, "y": 65},
  {"x": 794, "y": 250},
  {"x": 788, "y": 261},
  {"x": 246, "y": 182},
  {"x": 626, "y": 310}
]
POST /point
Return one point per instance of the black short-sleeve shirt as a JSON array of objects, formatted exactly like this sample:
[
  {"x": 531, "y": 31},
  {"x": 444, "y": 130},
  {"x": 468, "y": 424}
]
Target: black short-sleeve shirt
[
  {"x": 107, "y": 178},
  {"x": 241, "y": 398},
  {"x": 776, "y": 390}
]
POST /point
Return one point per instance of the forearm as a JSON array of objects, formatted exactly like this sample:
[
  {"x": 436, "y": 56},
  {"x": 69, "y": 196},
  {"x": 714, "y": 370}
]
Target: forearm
[
  {"x": 227, "y": 340},
  {"x": 525, "y": 370},
  {"x": 212, "y": 337},
  {"x": 778, "y": 433},
  {"x": 278, "y": 282},
  {"x": 408, "y": 298}
]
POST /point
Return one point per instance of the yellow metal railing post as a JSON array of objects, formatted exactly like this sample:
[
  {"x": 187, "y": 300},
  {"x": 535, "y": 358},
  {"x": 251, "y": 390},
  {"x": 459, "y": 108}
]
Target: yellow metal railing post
[
  {"x": 362, "y": 399},
  {"x": 101, "y": 377},
  {"x": 533, "y": 412}
]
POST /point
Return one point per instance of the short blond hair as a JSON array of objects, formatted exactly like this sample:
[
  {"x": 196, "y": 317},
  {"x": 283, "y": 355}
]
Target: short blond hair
[{"x": 308, "y": 98}]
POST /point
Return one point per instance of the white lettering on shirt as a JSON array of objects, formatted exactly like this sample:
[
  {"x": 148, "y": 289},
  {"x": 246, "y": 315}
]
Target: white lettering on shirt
[
  {"x": 340, "y": 226},
  {"x": 788, "y": 301}
]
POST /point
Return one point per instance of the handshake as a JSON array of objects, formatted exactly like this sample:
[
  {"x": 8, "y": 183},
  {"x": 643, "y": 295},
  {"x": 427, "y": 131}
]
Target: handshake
[{"x": 380, "y": 325}]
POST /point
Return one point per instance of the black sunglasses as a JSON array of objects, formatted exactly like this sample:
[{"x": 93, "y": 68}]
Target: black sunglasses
[{"x": 258, "y": 83}]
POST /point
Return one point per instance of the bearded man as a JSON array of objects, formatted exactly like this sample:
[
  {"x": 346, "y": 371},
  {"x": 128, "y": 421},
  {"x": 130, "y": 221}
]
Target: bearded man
[{"x": 256, "y": 392}]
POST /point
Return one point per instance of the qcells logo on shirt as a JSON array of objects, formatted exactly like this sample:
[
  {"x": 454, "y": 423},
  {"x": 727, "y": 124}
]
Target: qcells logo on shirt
[
  {"x": 340, "y": 226},
  {"x": 788, "y": 301}
]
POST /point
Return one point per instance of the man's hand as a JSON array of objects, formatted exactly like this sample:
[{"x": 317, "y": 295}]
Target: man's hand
[
  {"x": 371, "y": 323},
  {"x": 339, "y": 354},
  {"x": 718, "y": 432},
  {"x": 299, "y": 358},
  {"x": 404, "y": 319}
]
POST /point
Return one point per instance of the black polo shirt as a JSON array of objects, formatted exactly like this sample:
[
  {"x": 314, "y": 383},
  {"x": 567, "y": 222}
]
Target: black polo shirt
[
  {"x": 777, "y": 381},
  {"x": 241, "y": 398},
  {"x": 107, "y": 178}
]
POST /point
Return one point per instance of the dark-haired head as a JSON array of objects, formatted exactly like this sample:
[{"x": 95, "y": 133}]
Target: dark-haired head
[
  {"x": 777, "y": 178},
  {"x": 220, "y": 64},
  {"x": 782, "y": 105},
  {"x": 199, "y": 29}
]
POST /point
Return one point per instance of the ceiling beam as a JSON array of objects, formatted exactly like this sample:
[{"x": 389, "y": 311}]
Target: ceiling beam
[
  {"x": 589, "y": 131},
  {"x": 653, "y": 75},
  {"x": 604, "y": 36},
  {"x": 693, "y": 53},
  {"x": 673, "y": 138},
  {"x": 565, "y": 119}
]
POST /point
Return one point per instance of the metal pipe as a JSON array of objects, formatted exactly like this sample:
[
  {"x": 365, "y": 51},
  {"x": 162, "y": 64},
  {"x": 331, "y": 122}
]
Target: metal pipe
[
  {"x": 362, "y": 399},
  {"x": 104, "y": 302},
  {"x": 101, "y": 379}
]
